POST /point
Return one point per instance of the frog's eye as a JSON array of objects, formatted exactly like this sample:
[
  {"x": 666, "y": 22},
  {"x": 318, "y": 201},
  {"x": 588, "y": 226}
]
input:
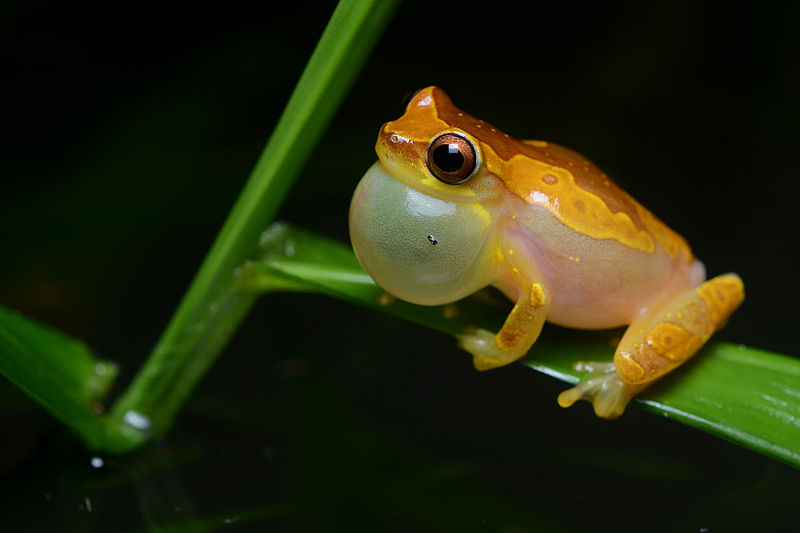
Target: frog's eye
[{"x": 452, "y": 158}]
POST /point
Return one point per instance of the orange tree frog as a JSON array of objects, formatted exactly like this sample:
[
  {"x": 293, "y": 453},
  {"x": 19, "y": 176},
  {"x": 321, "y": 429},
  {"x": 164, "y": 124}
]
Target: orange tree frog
[{"x": 454, "y": 205}]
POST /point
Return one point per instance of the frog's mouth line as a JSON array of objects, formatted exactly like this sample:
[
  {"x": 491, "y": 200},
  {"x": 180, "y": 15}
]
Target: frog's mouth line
[{"x": 439, "y": 190}]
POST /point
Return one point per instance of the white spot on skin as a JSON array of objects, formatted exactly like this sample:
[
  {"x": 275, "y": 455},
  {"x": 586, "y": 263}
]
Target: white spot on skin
[
  {"x": 395, "y": 138},
  {"x": 424, "y": 102},
  {"x": 540, "y": 198}
]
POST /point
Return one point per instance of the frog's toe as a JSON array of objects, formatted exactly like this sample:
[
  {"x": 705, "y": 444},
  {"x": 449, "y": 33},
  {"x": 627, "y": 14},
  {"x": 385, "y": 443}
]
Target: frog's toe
[
  {"x": 603, "y": 388},
  {"x": 486, "y": 354}
]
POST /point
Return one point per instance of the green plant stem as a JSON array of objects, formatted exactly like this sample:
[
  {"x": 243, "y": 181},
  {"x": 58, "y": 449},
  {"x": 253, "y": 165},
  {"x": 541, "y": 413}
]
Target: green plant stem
[{"x": 196, "y": 333}]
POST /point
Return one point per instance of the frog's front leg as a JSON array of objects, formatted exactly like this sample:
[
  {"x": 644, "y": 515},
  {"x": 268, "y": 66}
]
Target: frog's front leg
[
  {"x": 656, "y": 344},
  {"x": 522, "y": 326}
]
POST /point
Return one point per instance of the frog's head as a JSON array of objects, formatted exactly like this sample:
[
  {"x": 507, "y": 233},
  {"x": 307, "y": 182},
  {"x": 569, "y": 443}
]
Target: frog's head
[{"x": 422, "y": 218}]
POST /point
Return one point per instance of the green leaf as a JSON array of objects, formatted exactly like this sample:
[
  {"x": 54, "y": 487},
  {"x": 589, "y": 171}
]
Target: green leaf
[
  {"x": 57, "y": 371},
  {"x": 742, "y": 394},
  {"x": 748, "y": 396}
]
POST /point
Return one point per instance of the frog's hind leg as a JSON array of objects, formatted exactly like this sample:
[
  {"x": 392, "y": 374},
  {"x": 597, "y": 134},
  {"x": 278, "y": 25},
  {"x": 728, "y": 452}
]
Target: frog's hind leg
[{"x": 656, "y": 344}]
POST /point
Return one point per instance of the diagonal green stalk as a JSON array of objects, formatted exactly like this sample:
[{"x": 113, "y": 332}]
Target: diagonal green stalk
[{"x": 211, "y": 309}]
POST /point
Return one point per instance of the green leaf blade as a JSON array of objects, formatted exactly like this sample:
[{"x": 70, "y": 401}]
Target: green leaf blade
[
  {"x": 57, "y": 371},
  {"x": 744, "y": 395}
]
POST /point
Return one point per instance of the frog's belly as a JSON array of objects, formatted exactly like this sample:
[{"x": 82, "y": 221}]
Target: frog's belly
[{"x": 600, "y": 283}]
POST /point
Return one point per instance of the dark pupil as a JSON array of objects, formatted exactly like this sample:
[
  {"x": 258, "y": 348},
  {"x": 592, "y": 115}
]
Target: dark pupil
[{"x": 448, "y": 157}]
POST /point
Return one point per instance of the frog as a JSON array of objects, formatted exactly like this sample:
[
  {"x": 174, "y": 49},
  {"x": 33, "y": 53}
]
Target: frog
[{"x": 454, "y": 205}]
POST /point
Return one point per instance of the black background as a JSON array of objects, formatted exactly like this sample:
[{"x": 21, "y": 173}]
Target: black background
[{"x": 127, "y": 134}]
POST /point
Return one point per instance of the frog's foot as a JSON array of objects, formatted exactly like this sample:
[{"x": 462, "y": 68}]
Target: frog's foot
[
  {"x": 486, "y": 354},
  {"x": 603, "y": 388}
]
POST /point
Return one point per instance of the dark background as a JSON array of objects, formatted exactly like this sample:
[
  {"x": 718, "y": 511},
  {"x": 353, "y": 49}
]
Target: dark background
[{"x": 126, "y": 136}]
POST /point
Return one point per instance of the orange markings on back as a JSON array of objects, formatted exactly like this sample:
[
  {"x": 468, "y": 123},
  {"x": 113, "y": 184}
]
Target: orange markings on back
[{"x": 558, "y": 179}]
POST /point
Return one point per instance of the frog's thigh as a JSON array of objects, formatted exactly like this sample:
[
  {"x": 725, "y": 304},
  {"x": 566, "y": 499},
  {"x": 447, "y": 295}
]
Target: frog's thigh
[
  {"x": 519, "y": 332},
  {"x": 654, "y": 348},
  {"x": 657, "y": 344}
]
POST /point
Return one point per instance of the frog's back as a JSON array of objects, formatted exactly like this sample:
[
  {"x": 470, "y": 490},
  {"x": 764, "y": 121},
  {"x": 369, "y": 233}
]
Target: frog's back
[
  {"x": 588, "y": 201},
  {"x": 598, "y": 250},
  {"x": 567, "y": 184}
]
